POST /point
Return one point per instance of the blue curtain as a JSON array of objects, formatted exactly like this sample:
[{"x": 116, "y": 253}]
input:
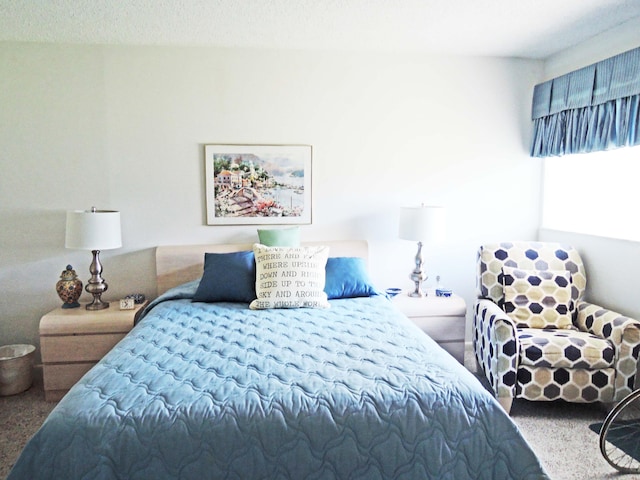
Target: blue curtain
[{"x": 592, "y": 109}]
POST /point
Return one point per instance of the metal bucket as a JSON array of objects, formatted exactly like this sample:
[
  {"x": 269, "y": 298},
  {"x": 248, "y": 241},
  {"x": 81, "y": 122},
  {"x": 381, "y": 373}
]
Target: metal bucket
[{"x": 16, "y": 368}]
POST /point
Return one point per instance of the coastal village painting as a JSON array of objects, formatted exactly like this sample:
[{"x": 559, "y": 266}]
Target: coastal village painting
[{"x": 258, "y": 184}]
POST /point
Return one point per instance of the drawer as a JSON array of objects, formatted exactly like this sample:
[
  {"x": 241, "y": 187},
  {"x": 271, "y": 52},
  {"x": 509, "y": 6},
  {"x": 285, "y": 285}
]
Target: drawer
[
  {"x": 77, "y": 348},
  {"x": 64, "y": 376},
  {"x": 442, "y": 329}
]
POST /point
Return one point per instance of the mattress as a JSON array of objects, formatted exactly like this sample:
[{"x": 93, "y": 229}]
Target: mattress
[{"x": 215, "y": 390}]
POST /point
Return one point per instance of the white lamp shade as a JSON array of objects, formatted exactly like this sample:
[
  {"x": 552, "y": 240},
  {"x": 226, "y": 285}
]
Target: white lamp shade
[
  {"x": 423, "y": 224},
  {"x": 93, "y": 230}
]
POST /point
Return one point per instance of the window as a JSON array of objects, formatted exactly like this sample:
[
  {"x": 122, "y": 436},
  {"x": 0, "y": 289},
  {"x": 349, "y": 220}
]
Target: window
[{"x": 596, "y": 193}]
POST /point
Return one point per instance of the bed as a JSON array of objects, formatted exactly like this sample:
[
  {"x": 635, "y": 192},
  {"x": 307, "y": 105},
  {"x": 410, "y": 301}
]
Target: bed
[{"x": 216, "y": 389}]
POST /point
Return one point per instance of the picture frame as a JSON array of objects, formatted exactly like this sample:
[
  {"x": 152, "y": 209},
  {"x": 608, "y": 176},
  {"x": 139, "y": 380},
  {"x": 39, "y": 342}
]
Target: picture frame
[{"x": 258, "y": 184}]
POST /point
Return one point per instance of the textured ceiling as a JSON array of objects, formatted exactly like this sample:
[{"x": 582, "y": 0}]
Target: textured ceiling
[{"x": 514, "y": 28}]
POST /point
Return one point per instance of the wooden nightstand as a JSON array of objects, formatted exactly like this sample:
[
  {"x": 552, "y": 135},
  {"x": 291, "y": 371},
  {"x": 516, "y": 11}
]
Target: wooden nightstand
[
  {"x": 72, "y": 341},
  {"x": 442, "y": 318}
]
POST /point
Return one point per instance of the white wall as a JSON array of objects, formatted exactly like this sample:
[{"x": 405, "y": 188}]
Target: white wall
[
  {"x": 124, "y": 128},
  {"x": 612, "y": 264},
  {"x": 609, "y": 43}
]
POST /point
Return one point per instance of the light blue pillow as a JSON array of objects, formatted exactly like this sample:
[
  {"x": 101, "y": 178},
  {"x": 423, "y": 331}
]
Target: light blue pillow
[
  {"x": 227, "y": 277},
  {"x": 347, "y": 277},
  {"x": 280, "y": 237}
]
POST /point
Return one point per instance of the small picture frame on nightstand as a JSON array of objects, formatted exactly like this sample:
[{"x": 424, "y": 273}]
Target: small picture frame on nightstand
[{"x": 127, "y": 304}]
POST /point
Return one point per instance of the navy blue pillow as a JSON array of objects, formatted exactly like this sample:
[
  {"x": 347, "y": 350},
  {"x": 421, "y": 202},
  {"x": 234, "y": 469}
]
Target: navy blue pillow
[
  {"x": 227, "y": 277},
  {"x": 347, "y": 277}
]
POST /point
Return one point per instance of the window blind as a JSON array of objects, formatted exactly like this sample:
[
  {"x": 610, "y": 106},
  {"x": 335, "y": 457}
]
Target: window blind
[{"x": 591, "y": 109}]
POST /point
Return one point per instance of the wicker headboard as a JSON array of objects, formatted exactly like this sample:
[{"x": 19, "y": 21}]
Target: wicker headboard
[{"x": 179, "y": 264}]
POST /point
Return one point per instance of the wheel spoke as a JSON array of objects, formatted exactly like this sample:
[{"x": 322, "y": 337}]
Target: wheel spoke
[{"x": 620, "y": 435}]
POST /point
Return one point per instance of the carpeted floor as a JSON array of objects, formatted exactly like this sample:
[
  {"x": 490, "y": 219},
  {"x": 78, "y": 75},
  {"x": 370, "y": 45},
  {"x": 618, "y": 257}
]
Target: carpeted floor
[
  {"x": 560, "y": 436},
  {"x": 558, "y": 432},
  {"x": 20, "y": 416}
]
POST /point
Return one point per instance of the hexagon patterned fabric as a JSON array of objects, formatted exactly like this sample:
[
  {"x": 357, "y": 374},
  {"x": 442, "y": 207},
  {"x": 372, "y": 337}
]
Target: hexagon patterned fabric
[
  {"x": 564, "y": 349},
  {"x": 593, "y": 358},
  {"x": 527, "y": 256},
  {"x": 623, "y": 332},
  {"x": 537, "y": 299}
]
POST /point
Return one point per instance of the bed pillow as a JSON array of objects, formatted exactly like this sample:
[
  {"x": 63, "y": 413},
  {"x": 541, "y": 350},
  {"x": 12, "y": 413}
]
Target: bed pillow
[
  {"x": 280, "y": 237},
  {"x": 347, "y": 277},
  {"x": 538, "y": 299},
  {"x": 227, "y": 277},
  {"x": 290, "y": 277}
]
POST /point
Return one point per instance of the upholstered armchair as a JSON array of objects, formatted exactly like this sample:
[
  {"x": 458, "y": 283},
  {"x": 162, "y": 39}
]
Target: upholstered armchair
[{"x": 534, "y": 336}]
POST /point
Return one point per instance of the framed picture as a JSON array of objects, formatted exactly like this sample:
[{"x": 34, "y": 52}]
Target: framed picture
[{"x": 258, "y": 184}]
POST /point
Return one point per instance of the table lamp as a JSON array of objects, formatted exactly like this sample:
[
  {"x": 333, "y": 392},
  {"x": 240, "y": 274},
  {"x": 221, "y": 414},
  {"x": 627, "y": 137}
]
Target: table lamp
[
  {"x": 421, "y": 224},
  {"x": 94, "y": 230}
]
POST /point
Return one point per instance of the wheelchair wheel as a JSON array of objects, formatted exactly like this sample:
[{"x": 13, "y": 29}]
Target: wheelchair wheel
[{"x": 620, "y": 435}]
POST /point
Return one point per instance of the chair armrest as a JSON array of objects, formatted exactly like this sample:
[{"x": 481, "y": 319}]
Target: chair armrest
[
  {"x": 608, "y": 324},
  {"x": 623, "y": 333},
  {"x": 496, "y": 347}
]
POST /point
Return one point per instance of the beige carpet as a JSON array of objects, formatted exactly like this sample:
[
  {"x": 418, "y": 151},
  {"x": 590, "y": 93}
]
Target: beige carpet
[
  {"x": 558, "y": 432},
  {"x": 20, "y": 416}
]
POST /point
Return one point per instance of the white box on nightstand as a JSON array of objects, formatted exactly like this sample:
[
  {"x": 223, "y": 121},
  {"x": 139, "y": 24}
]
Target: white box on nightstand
[{"x": 442, "y": 318}]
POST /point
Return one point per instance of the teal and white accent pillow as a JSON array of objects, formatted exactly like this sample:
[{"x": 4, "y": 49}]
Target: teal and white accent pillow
[{"x": 290, "y": 277}]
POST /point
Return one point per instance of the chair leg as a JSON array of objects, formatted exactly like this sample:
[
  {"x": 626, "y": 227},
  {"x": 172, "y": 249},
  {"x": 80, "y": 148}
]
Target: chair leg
[{"x": 505, "y": 403}]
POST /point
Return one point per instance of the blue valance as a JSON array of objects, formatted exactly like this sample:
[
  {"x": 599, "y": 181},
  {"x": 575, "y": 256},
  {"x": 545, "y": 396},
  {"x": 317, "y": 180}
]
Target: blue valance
[{"x": 591, "y": 109}]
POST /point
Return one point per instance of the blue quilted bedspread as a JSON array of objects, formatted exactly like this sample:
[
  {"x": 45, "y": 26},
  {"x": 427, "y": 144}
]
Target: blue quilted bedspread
[{"x": 200, "y": 391}]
